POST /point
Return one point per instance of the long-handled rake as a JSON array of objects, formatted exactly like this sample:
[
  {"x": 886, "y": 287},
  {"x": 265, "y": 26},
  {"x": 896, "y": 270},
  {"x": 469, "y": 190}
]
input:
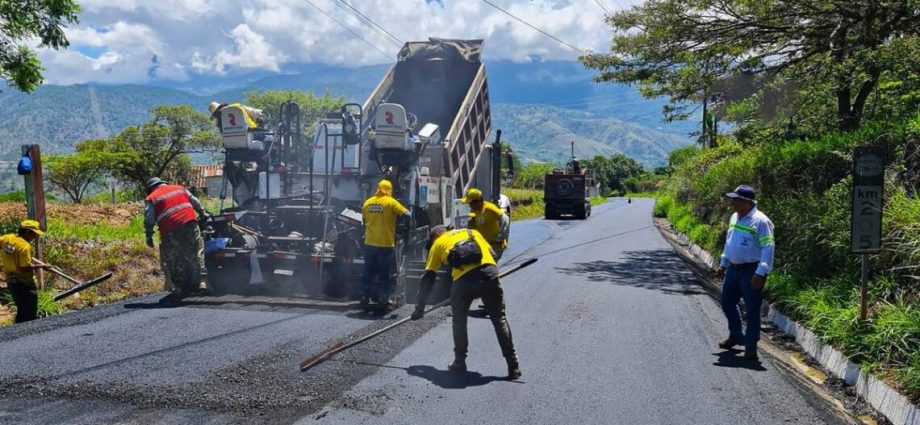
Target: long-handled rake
[
  {"x": 81, "y": 285},
  {"x": 341, "y": 345}
]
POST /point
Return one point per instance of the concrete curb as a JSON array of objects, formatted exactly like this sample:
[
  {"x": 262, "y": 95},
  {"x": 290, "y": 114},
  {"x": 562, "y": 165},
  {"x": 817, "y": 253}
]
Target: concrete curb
[
  {"x": 880, "y": 396},
  {"x": 897, "y": 408}
]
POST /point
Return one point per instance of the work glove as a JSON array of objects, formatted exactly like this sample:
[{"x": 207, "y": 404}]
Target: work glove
[
  {"x": 150, "y": 241},
  {"x": 418, "y": 313}
]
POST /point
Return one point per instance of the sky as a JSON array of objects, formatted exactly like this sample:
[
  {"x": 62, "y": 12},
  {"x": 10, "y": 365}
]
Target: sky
[{"x": 142, "y": 41}]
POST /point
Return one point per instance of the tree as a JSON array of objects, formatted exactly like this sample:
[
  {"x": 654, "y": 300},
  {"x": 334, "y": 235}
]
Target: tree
[
  {"x": 312, "y": 107},
  {"x": 611, "y": 172},
  {"x": 684, "y": 49},
  {"x": 27, "y": 20},
  {"x": 158, "y": 147},
  {"x": 531, "y": 176},
  {"x": 74, "y": 174}
]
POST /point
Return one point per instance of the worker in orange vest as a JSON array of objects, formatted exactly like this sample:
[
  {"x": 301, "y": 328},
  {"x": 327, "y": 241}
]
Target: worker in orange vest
[{"x": 172, "y": 209}]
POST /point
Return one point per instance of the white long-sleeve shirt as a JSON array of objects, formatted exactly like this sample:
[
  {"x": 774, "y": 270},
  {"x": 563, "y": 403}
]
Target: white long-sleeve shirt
[{"x": 749, "y": 240}]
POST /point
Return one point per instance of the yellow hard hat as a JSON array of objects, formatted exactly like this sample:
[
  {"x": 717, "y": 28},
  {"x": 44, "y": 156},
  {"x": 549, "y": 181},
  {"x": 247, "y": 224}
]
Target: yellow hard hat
[
  {"x": 471, "y": 195},
  {"x": 32, "y": 225}
]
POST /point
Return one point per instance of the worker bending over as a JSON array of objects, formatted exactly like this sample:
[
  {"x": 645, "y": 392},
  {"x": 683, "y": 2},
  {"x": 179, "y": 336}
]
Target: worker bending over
[
  {"x": 478, "y": 278},
  {"x": 490, "y": 220},
  {"x": 172, "y": 209}
]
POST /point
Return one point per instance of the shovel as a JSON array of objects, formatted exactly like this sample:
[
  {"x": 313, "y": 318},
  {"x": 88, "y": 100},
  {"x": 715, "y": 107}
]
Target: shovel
[{"x": 81, "y": 285}]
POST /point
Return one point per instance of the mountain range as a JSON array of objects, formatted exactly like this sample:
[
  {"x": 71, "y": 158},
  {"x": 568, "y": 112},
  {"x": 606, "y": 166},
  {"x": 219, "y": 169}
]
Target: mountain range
[{"x": 540, "y": 107}]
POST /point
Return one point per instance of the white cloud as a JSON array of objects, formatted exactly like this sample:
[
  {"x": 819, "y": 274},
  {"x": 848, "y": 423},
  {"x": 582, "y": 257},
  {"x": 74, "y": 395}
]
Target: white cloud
[
  {"x": 221, "y": 37},
  {"x": 252, "y": 52}
]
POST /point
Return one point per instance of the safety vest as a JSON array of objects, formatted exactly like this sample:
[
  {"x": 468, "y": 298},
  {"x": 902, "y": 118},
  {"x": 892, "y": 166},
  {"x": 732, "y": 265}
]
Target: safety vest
[{"x": 172, "y": 207}]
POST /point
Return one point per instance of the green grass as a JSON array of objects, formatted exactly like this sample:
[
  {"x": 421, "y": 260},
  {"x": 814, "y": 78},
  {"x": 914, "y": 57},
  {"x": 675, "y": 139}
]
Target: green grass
[
  {"x": 102, "y": 231},
  {"x": 642, "y": 195},
  {"x": 526, "y": 203},
  {"x": 46, "y": 304},
  {"x": 20, "y": 196},
  {"x": 597, "y": 200}
]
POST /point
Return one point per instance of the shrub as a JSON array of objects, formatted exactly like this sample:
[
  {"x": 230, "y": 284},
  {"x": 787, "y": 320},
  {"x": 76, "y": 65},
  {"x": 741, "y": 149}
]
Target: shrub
[
  {"x": 663, "y": 205},
  {"x": 804, "y": 186}
]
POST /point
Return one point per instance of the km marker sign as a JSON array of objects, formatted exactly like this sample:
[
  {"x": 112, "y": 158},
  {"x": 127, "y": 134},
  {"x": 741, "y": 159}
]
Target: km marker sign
[
  {"x": 866, "y": 224},
  {"x": 868, "y": 183}
]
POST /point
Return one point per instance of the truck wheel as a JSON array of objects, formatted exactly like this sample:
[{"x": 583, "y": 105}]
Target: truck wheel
[
  {"x": 580, "y": 213},
  {"x": 549, "y": 213}
]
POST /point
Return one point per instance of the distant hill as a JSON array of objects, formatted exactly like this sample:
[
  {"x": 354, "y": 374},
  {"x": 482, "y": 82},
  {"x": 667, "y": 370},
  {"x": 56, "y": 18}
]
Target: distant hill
[
  {"x": 601, "y": 118},
  {"x": 58, "y": 117},
  {"x": 544, "y": 133}
]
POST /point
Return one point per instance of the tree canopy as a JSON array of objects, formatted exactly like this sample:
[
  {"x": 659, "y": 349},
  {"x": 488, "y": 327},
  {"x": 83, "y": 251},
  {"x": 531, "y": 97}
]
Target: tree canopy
[
  {"x": 688, "y": 50},
  {"x": 611, "y": 172},
  {"x": 312, "y": 107},
  {"x": 26, "y": 20},
  {"x": 157, "y": 148},
  {"x": 74, "y": 174}
]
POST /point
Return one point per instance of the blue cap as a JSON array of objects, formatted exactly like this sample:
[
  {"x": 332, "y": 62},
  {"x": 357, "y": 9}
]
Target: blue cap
[{"x": 742, "y": 192}]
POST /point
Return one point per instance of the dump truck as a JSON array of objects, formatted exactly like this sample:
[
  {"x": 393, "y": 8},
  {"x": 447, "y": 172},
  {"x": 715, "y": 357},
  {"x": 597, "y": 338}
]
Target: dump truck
[
  {"x": 293, "y": 221},
  {"x": 567, "y": 191}
]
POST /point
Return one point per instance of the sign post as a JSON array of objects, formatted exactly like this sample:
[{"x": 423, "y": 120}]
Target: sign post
[
  {"x": 35, "y": 200},
  {"x": 866, "y": 223}
]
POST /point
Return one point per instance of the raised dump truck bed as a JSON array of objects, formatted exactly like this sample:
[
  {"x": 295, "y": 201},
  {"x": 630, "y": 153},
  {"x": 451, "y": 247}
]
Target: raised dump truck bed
[
  {"x": 300, "y": 205},
  {"x": 443, "y": 82}
]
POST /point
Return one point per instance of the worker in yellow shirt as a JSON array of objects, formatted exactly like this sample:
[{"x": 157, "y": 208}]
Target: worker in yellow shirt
[
  {"x": 475, "y": 278},
  {"x": 490, "y": 220},
  {"x": 379, "y": 214},
  {"x": 16, "y": 252}
]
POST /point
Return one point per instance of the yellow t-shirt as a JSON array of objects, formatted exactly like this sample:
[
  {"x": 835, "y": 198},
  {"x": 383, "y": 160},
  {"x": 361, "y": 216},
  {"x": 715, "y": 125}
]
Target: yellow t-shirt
[
  {"x": 379, "y": 215},
  {"x": 437, "y": 256},
  {"x": 488, "y": 222},
  {"x": 17, "y": 255}
]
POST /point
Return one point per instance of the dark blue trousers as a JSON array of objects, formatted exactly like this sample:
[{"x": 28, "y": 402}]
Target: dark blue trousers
[
  {"x": 737, "y": 286},
  {"x": 377, "y": 263}
]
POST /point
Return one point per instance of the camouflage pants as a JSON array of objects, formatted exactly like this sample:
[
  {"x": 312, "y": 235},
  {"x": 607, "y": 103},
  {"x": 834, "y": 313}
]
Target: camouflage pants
[{"x": 182, "y": 258}]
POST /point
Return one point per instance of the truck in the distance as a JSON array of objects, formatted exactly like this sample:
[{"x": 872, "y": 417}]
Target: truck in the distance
[{"x": 568, "y": 191}]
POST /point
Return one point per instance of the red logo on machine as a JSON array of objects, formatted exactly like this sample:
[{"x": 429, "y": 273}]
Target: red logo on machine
[
  {"x": 389, "y": 117},
  {"x": 231, "y": 118}
]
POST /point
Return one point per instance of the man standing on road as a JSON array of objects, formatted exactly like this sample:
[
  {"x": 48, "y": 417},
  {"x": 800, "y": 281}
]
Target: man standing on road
[
  {"x": 379, "y": 214},
  {"x": 479, "y": 279},
  {"x": 745, "y": 263},
  {"x": 172, "y": 209},
  {"x": 19, "y": 266},
  {"x": 490, "y": 220}
]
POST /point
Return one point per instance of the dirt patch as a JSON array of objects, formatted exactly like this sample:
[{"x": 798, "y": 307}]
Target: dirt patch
[
  {"x": 84, "y": 215},
  {"x": 134, "y": 266}
]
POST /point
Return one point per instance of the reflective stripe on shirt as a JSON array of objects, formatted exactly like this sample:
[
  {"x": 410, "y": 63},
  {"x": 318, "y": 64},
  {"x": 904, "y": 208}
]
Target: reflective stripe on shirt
[
  {"x": 168, "y": 195},
  {"x": 173, "y": 209},
  {"x": 749, "y": 239}
]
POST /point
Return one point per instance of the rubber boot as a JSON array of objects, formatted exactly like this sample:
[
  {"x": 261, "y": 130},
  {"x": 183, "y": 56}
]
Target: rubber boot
[
  {"x": 514, "y": 368},
  {"x": 458, "y": 365}
]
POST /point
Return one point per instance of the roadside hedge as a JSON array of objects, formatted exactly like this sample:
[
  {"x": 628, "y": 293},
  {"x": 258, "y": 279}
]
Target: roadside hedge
[{"x": 805, "y": 188}]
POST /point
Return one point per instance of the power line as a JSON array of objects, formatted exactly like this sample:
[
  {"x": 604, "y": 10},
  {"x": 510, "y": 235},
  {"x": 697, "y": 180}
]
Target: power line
[
  {"x": 529, "y": 25},
  {"x": 348, "y": 29},
  {"x": 362, "y": 17},
  {"x": 606, "y": 10}
]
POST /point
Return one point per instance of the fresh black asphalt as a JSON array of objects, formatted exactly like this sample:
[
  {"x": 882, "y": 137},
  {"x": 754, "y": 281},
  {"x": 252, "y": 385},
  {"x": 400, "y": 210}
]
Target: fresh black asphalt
[{"x": 610, "y": 325}]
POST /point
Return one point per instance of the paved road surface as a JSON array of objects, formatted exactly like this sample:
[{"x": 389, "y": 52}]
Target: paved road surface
[{"x": 609, "y": 324}]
